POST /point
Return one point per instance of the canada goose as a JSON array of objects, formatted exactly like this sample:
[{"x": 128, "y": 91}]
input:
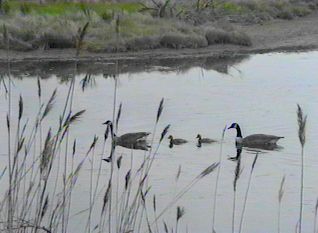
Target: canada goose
[
  {"x": 136, "y": 141},
  {"x": 254, "y": 140},
  {"x": 204, "y": 140},
  {"x": 176, "y": 141}
]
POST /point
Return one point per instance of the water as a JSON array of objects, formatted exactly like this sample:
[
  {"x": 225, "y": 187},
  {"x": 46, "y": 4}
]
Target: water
[{"x": 260, "y": 93}]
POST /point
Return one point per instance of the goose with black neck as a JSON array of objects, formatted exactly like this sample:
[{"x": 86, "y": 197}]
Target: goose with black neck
[{"x": 254, "y": 140}]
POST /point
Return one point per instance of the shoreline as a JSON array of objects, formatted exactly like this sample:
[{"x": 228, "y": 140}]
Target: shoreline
[{"x": 299, "y": 34}]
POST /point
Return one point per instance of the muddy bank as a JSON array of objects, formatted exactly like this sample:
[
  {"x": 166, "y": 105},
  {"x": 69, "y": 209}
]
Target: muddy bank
[{"x": 277, "y": 35}]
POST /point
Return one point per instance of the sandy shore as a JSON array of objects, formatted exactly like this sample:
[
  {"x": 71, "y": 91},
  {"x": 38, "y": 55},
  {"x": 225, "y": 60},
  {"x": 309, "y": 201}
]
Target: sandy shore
[{"x": 277, "y": 35}]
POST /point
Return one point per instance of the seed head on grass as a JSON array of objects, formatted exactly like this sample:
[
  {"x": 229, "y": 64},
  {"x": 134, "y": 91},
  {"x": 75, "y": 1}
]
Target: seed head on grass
[
  {"x": 164, "y": 133},
  {"x": 20, "y": 144},
  {"x": 73, "y": 118},
  {"x": 106, "y": 132},
  {"x": 302, "y": 120},
  {"x": 180, "y": 212},
  {"x": 119, "y": 161},
  {"x": 80, "y": 37},
  {"x": 154, "y": 203},
  {"x": 178, "y": 173},
  {"x": 316, "y": 212},
  {"x": 93, "y": 144},
  {"x": 47, "y": 154},
  {"x": 165, "y": 227},
  {"x": 8, "y": 122},
  {"x": 20, "y": 107},
  {"x": 74, "y": 148},
  {"x": 118, "y": 115},
  {"x": 106, "y": 197},
  {"x": 49, "y": 105},
  {"x": 127, "y": 179},
  {"x": 45, "y": 206},
  {"x": 39, "y": 87},
  {"x": 208, "y": 170},
  {"x": 160, "y": 110}
]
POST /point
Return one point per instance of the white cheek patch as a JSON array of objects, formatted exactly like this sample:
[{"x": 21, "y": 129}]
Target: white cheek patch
[{"x": 238, "y": 140}]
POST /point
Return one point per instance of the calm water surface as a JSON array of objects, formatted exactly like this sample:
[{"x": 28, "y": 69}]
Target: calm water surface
[{"x": 260, "y": 94}]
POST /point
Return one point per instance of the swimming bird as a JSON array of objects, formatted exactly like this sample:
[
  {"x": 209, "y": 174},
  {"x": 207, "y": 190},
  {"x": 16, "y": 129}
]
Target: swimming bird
[
  {"x": 204, "y": 140},
  {"x": 176, "y": 141},
  {"x": 136, "y": 141},
  {"x": 254, "y": 140}
]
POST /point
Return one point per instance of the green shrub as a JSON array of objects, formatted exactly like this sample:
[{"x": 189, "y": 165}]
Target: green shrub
[
  {"x": 178, "y": 41},
  {"x": 25, "y": 9},
  {"x": 6, "y": 7},
  {"x": 143, "y": 43},
  {"x": 219, "y": 36},
  {"x": 107, "y": 16},
  {"x": 285, "y": 14}
]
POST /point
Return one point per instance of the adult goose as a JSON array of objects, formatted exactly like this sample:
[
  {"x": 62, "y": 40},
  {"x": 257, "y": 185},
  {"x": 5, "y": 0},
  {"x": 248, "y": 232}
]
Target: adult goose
[
  {"x": 204, "y": 140},
  {"x": 255, "y": 140},
  {"x": 136, "y": 141},
  {"x": 176, "y": 141}
]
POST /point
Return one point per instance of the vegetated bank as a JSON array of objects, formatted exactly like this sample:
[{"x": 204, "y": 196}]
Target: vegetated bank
[{"x": 165, "y": 28}]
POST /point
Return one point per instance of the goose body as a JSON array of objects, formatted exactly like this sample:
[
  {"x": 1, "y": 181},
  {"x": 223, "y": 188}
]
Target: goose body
[
  {"x": 254, "y": 140},
  {"x": 131, "y": 138},
  {"x": 176, "y": 141},
  {"x": 136, "y": 141}
]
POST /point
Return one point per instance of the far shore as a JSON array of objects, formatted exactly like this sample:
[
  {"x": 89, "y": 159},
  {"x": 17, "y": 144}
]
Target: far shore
[{"x": 300, "y": 34}]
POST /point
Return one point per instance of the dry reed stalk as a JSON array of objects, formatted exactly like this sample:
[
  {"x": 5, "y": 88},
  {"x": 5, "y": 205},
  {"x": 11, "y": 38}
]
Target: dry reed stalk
[
  {"x": 237, "y": 174},
  {"x": 217, "y": 180},
  {"x": 302, "y": 120},
  {"x": 315, "y": 219},
  {"x": 180, "y": 213},
  {"x": 186, "y": 188},
  {"x": 247, "y": 192},
  {"x": 280, "y": 197},
  {"x": 10, "y": 202}
]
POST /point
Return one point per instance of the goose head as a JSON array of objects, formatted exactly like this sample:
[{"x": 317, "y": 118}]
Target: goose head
[
  {"x": 199, "y": 136},
  {"x": 233, "y": 126},
  {"x": 107, "y": 123},
  {"x": 238, "y": 131},
  {"x": 170, "y": 137}
]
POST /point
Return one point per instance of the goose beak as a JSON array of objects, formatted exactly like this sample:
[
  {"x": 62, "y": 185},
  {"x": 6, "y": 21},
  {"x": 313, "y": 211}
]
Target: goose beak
[{"x": 106, "y": 122}]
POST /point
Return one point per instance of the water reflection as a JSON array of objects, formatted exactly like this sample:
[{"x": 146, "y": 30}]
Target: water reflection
[
  {"x": 238, "y": 154},
  {"x": 64, "y": 70}
]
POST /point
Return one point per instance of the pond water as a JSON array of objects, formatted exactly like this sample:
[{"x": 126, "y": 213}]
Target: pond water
[{"x": 261, "y": 93}]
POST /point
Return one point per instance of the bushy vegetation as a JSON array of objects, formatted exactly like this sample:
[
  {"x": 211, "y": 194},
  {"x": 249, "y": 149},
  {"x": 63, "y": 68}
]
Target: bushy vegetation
[
  {"x": 120, "y": 27},
  {"x": 125, "y": 32}
]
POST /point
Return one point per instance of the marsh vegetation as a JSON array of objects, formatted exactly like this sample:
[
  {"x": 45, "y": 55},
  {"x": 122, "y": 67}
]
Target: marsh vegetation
[
  {"x": 122, "y": 27},
  {"x": 56, "y": 179}
]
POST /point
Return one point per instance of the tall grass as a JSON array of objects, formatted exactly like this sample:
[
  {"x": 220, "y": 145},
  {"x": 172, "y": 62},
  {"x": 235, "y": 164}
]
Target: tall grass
[
  {"x": 30, "y": 205},
  {"x": 302, "y": 120},
  {"x": 315, "y": 218},
  {"x": 217, "y": 181},
  {"x": 280, "y": 197},
  {"x": 247, "y": 193},
  {"x": 237, "y": 174}
]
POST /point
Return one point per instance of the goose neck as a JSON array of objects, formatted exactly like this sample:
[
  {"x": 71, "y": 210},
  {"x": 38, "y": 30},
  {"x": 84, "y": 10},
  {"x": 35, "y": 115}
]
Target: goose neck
[{"x": 238, "y": 132}]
